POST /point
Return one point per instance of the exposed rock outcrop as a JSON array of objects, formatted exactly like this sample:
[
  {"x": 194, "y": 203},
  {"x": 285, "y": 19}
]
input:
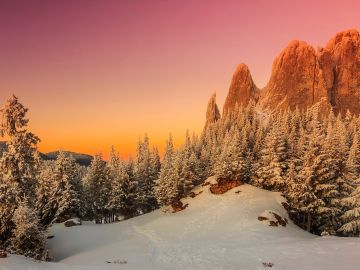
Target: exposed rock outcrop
[
  {"x": 297, "y": 79},
  {"x": 303, "y": 76},
  {"x": 345, "y": 51},
  {"x": 212, "y": 112},
  {"x": 242, "y": 89},
  {"x": 224, "y": 186}
]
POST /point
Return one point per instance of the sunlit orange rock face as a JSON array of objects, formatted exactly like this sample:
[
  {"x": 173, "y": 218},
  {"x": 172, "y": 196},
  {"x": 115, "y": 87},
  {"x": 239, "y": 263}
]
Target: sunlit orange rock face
[
  {"x": 303, "y": 76},
  {"x": 242, "y": 89},
  {"x": 212, "y": 112},
  {"x": 296, "y": 80},
  {"x": 345, "y": 51}
]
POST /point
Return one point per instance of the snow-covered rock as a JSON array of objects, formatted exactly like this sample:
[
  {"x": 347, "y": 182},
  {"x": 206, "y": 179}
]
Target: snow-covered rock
[{"x": 72, "y": 222}]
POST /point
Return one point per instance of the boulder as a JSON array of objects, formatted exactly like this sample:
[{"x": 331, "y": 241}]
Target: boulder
[
  {"x": 224, "y": 186},
  {"x": 72, "y": 222},
  {"x": 3, "y": 254},
  {"x": 178, "y": 206}
]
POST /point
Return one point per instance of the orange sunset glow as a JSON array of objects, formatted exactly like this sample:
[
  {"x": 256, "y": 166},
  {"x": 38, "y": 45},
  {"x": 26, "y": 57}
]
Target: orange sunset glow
[{"x": 102, "y": 73}]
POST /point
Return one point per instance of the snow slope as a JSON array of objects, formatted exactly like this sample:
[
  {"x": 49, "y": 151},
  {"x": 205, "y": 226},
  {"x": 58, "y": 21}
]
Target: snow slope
[{"x": 213, "y": 232}]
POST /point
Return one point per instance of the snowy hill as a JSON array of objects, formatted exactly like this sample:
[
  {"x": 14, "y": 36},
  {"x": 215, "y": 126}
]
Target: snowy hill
[{"x": 213, "y": 232}]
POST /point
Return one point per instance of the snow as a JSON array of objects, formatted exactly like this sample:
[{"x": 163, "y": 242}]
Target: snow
[{"x": 213, "y": 232}]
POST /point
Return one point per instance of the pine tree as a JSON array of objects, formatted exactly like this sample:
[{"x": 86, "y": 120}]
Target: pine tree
[
  {"x": 353, "y": 161},
  {"x": 350, "y": 219},
  {"x": 142, "y": 171},
  {"x": 230, "y": 165},
  {"x": 98, "y": 187},
  {"x": 167, "y": 186},
  {"x": 122, "y": 195},
  {"x": 116, "y": 185},
  {"x": 315, "y": 187},
  {"x": 188, "y": 167},
  {"x": 18, "y": 164},
  {"x": 27, "y": 238},
  {"x": 155, "y": 165},
  {"x": 273, "y": 162},
  {"x": 44, "y": 191},
  {"x": 68, "y": 192}
]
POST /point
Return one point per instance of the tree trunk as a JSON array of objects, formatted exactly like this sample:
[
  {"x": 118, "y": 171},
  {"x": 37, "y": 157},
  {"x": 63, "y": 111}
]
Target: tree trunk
[{"x": 308, "y": 225}]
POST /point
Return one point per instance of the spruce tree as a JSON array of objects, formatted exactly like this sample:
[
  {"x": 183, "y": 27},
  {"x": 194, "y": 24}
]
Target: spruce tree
[
  {"x": 273, "y": 161},
  {"x": 167, "y": 186},
  {"x": 27, "y": 239},
  {"x": 145, "y": 180},
  {"x": 45, "y": 204},
  {"x": 350, "y": 219},
  {"x": 188, "y": 167},
  {"x": 18, "y": 164},
  {"x": 68, "y": 192},
  {"x": 230, "y": 164},
  {"x": 99, "y": 188}
]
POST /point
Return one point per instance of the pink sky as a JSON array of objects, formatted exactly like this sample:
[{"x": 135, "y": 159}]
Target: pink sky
[{"x": 96, "y": 73}]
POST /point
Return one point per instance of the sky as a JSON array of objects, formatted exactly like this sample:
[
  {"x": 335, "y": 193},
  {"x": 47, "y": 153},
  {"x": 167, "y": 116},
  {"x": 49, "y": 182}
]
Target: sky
[{"x": 102, "y": 73}]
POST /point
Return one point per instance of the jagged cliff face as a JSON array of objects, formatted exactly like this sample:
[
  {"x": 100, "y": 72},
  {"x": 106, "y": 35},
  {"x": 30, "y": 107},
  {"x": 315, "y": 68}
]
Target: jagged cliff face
[
  {"x": 345, "y": 51},
  {"x": 302, "y": 76},
  {"x": 242, "y": 89},
  {"x": 212, "y": 111},
  {"x": 296, "y": 79}
]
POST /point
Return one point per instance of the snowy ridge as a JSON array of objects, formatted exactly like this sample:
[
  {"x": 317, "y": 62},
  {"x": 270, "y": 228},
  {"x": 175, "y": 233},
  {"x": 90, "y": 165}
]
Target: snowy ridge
[{"x": 213, "y": 232}]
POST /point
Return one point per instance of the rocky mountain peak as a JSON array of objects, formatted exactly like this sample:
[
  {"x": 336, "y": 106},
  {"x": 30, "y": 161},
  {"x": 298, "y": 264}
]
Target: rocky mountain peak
[
  {"x": 302, "y": 76},
  {"x": 241, "y": 90},
  {"x": 212, "y": 111}
]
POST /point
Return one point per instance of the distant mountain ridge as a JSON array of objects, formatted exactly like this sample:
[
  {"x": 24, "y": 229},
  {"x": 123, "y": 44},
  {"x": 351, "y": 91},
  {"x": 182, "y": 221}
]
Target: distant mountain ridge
[{"x": 81, "y": 159}]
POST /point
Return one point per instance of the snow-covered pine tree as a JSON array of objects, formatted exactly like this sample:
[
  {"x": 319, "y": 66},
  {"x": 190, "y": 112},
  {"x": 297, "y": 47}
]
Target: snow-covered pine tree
[
  {"x": 273, "y": 161},
  {"x": 315, "y": 189},
  {"x": 205, "y": 169},
  {"x": 155, "y": 164},
  {"x": 116, "y": 185},
  {"x": 350, "y": 220},
  {"x": 333, "y": 182},
  {"x": 205, "y": 158},
  {"x": 230, "y": 164},
  {"x": 353, "y": 161},
  {"x": 44, "y": 191},
  {"x": 188, "y": 167},
  {"x": 146, "y": 200},
  {"x": 167, "y": 186},
  {"x": 27, "y": 239},
  {"x": 18, "y": 164},
  {"x": 98, "y": 188},
  {"x": 67, "y": 197},
  {"x": 122, "y": 196},
  {"x": 128, "y": 205}
]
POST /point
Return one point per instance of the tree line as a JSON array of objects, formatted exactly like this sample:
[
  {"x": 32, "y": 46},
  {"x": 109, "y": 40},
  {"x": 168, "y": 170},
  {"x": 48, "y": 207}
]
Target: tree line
[
  {"x": 314, "y": 160},
  {"x": 35, "y": 193}
]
